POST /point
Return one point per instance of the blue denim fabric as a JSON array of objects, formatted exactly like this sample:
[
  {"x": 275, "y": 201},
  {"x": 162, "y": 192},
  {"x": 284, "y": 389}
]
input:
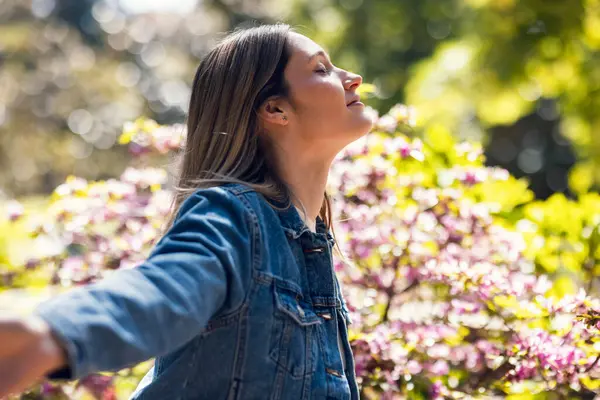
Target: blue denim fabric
[{"x": 237, "y": 301}]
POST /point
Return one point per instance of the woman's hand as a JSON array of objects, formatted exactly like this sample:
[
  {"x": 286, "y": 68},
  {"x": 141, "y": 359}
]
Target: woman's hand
[{"x": 28, "y": 351}]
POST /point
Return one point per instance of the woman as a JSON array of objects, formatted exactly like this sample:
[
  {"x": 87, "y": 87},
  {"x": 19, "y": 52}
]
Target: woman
[{"x": 238, "y": 299}]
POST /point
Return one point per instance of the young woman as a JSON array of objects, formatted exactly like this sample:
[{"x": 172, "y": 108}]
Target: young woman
[{"x": 238, "y": 299}]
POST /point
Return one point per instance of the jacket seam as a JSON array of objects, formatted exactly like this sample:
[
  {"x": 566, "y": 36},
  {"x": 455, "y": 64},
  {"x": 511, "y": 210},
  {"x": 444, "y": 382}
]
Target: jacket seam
[{"x": 256, "y": 241}]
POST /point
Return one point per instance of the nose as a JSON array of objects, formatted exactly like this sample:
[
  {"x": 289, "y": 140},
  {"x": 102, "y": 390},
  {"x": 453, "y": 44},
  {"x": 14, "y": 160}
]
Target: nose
[{"x": 352, "y": 81}]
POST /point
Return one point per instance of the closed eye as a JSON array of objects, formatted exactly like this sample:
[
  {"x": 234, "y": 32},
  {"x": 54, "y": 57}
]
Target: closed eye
[{"x": 323, "y": 70}]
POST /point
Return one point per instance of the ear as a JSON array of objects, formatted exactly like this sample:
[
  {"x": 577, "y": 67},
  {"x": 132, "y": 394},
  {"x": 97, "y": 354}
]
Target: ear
[{"x": 272, "y": 111}]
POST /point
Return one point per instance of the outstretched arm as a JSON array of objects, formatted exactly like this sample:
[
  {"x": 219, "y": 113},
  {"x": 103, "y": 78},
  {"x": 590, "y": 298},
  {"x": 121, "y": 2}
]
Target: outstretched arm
[{"x": 203, "y": 263}]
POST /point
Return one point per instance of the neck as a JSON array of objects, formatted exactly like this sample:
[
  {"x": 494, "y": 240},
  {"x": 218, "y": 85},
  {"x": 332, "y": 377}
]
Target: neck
[
  {"x": 308, "y": 181},
  {"x": 310, "y": 193}
]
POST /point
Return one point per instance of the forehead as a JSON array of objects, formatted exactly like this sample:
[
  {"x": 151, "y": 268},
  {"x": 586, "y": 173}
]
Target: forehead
[{"x": 302, "y": 47}]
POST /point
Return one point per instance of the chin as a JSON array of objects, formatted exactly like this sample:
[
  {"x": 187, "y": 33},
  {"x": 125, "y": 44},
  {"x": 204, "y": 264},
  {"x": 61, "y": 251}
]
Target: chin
[
  {"x": 357, "y": 130},
  {"x": 364, "y": 128},
  {"x": 355, "y": 135}
]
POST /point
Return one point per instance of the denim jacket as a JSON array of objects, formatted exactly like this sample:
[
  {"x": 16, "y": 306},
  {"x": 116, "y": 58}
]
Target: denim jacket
[{"x": 237, "y": 301}]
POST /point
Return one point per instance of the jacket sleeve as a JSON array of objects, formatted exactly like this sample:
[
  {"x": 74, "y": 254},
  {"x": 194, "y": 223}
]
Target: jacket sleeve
[{"x": 199, "y": 266}]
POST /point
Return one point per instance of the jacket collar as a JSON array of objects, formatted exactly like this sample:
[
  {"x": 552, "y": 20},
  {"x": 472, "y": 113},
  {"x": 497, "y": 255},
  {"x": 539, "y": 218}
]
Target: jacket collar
[
  {"x": 294, "y": 226},
  {"x": 291, "y": 222}
]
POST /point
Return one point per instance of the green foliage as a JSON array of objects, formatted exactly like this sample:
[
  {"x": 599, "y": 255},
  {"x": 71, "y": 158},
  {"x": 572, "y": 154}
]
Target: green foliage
[{"x": 476, "y": 65}]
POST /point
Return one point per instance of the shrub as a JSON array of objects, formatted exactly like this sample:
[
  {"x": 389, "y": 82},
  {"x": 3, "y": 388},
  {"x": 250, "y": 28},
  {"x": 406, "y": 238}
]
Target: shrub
[{"x": 459, "y": 283}]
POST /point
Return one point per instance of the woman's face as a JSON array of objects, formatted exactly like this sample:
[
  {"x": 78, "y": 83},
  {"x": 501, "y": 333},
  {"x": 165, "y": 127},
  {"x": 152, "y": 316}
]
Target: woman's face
[{"x": 319, "y": 118}]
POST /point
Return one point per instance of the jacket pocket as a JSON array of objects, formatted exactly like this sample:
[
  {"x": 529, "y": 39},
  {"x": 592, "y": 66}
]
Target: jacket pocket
[{"x": 293, "y": 335}]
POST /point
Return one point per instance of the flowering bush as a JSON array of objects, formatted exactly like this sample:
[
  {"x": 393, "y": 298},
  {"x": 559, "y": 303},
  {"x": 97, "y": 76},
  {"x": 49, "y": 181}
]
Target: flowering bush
[
  {"x": 443, "y": 287},
  {"x": 460, "y": 285}
]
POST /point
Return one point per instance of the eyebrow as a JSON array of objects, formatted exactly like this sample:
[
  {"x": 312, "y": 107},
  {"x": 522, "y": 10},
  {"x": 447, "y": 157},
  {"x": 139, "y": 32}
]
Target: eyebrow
[{"x": 318, "y": 53}]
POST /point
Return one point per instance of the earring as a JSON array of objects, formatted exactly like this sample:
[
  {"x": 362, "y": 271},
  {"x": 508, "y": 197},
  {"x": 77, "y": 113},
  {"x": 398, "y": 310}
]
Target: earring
[{"x": 284, "y": 118}]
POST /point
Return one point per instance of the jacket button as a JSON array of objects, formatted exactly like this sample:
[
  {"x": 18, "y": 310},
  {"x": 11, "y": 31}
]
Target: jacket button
[
  {"x": 315, "y": 250},
  {"x": 333, "y": 372},
  {"x": 325, "y": 315},
  {"x": 300, "y": 310}
]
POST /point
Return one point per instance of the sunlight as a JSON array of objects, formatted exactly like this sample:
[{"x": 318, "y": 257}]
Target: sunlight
[{"x": 142, "y": 6}]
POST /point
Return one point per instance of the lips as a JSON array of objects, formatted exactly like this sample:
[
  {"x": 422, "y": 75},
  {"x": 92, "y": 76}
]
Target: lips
[
  {"x": 355, "y": 99},
  {"x": 355, "y": 103}
]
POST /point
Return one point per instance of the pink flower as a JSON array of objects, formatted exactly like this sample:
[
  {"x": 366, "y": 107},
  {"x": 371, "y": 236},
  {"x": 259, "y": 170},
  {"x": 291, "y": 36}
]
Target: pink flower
[
  {"x": 14, "y": 210},
  {"x": 439, "y": 368}
]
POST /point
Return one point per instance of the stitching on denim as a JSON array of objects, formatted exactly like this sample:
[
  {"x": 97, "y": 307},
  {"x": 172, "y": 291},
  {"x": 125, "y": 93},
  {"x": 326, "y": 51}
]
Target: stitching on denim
[
  {"x": 251, "y": 217},
  {"x": 263, "y": 278},
  {"x": 308, "y": 365},
  {"x": 222, "y": 320},
  {"x": 240, "y": 351}
]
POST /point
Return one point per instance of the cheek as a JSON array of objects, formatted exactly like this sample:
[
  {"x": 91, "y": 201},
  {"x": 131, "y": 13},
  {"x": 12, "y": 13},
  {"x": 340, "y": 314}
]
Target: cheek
[{"x": 324, "y": 105}]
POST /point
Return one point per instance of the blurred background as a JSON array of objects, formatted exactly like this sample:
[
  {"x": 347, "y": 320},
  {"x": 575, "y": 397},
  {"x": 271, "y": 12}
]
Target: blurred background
[{"x": 521, "y": 76}]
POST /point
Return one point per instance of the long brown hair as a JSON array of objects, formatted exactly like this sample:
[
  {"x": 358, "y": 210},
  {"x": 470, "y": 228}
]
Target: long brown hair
[{"x": 224, "y": 143}]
